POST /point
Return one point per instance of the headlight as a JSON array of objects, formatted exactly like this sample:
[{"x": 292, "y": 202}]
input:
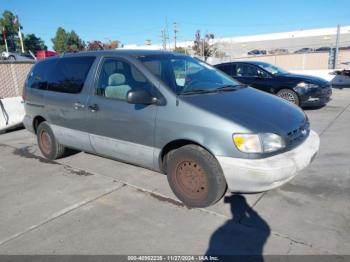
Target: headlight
[
  {"x": 307, "y": 85},
  {"x": 248, "y": 143},
  {"x": 271, "y": 142},
  {"x": 258, "y": 143}
]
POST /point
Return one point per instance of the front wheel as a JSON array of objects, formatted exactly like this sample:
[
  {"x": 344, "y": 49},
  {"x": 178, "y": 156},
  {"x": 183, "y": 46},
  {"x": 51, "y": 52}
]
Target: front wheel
[
  {"x": 195, "y": 176},
  {"x": 289, "y": 95}
]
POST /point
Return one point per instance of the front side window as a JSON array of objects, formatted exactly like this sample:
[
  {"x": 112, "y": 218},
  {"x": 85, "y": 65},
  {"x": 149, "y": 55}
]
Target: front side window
[
  {"x": 247, "y": 71},
  {"x": 184, "y": 74},
  {"x": 117, "y": 77},
  {"x": 272, "y": 69}
]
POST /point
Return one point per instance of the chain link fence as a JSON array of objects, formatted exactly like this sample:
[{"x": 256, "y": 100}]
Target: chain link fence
[{"x": 12, "y": 77}]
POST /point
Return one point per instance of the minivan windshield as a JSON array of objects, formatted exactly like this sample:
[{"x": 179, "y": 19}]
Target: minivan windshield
[
  {"x": 186, "y": 75},
  {"x": 272, "y": 69}
]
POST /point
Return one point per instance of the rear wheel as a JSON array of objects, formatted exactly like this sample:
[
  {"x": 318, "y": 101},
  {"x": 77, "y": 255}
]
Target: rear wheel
[
  {"x": 289, "y": 95},
  {"x": 48, "y": 144},
  {"x": 195, "y": 176}
]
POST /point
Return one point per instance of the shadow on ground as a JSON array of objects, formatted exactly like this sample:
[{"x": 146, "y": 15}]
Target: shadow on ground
[{"x": 235, "y": 237}]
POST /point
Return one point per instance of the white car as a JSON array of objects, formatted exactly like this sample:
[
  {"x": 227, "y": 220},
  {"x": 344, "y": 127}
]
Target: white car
[{"x": 17, "y": 57}]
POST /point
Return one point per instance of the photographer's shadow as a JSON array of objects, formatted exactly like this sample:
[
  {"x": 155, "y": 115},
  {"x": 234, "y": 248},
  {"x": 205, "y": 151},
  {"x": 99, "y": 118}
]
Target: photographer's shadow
[{"x": 244, "y": 234}]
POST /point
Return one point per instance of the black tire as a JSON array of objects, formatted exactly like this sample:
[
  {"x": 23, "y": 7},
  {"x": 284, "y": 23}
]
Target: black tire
[
  {"x": 289, "y": 95},
  {"x": 48, "y": 144},
  {"x": 195, "y": 176},
  {"x": 12, "y": 58}
]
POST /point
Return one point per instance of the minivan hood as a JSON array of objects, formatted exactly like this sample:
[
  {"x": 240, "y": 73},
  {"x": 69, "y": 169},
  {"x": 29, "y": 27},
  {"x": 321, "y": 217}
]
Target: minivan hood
[
  {"x": 252, "y": 109},
  {"x": 306, "y": 78}
]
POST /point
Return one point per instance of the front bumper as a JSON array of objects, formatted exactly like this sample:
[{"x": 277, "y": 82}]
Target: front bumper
[
  {"x": 257, "y": 175},
  {"x": 317, "y": 97}
]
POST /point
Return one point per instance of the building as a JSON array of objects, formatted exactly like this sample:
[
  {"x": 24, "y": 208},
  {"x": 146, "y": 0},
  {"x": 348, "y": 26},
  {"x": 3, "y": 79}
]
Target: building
[{"x": 274, "y": 43}]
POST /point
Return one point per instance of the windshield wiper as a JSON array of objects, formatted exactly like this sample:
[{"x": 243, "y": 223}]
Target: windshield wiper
[
  {"x": 197, "y": 91},
  {"x": 229, "y": 87}
]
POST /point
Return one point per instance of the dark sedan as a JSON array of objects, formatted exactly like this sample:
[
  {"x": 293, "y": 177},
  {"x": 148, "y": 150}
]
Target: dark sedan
[{"x": 301, "y": 90}]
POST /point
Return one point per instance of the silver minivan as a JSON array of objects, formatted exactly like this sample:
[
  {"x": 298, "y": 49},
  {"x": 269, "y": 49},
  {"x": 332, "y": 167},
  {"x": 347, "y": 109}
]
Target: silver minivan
[{"x": 170, "y": 113}]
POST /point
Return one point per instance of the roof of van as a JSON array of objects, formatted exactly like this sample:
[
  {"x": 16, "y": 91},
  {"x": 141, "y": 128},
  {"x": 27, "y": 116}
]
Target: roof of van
[
  {"x": 117, "y": 51},
  {"x": 243, "y": 61}
]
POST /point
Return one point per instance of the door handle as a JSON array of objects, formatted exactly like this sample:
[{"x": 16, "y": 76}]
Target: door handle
[
  {"x": 78, "y": 105},
  {"x": 93, "y": 108}
]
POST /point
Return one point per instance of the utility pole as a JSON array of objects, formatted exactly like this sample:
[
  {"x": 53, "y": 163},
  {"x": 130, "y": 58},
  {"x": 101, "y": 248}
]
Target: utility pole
[
  {"x": 21, "y": 39},
  {"x": 16, "y": 22},
  {"x": 163, "y": 36},
  {"x": 175, "y": 32},
  {"x": 203, "y": 42},
  {"x": 336, "y": 48},
  {"x": 5, "y": 40}
]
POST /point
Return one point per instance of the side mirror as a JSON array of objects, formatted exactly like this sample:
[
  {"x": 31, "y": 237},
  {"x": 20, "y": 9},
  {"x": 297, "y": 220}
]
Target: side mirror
[
  {"x": 140, "y": 96},
  {"x": 260, "y": 75}
]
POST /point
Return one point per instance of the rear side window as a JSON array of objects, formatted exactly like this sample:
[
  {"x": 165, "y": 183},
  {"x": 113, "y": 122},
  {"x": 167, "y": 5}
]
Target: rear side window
[
  {"x": 65, "y": 75},
  {"x": 226, "y": 69},
  {"x": 37, "y": 78},
  {"x": 69, "y": 74}
]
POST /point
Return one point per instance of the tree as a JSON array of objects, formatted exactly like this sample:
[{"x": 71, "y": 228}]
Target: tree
[
  {"x": 10, "y": 23},
  {"x": 180, "y": 50},
  {"x": 98, "y": 45},
  {"x": 202, "y": 46},
  {"x": 111, "y": 45},
  {"x": 94, "y": 45},
  {"x": 34, "y": 43},
  {"x": 67, "y": 41},
  {"x": 74, "y": 43},
  {"x": 60, "y": 40}
]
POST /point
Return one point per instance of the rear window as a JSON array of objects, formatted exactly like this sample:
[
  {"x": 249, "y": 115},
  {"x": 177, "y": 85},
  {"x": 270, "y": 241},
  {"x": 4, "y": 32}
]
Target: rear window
[{"x": 66, "y": 75}]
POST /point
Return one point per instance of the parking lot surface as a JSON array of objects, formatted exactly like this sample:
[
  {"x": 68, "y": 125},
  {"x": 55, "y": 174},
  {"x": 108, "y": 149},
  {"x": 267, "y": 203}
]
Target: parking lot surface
[{"x": 85, "y": 204}]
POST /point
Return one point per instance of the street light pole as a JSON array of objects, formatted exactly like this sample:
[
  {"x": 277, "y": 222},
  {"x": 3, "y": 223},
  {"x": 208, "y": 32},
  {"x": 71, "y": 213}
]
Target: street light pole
[
  {"x": 336, "y": 48},
  {"x": 175, "y": 32}
]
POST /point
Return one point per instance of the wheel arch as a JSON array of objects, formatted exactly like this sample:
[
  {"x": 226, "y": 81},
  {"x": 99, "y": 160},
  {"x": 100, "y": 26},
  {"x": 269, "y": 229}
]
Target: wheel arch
[
  {"x": 37, "y": 121},
  {"x": 175, "y": 144}
]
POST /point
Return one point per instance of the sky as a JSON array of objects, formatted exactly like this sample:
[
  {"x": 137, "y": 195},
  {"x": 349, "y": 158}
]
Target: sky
[{"x": 134, "y": 21}]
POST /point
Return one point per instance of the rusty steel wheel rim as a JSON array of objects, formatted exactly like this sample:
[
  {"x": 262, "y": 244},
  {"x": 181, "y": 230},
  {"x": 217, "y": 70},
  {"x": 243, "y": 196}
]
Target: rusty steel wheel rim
[
  {"x": 191, "y": 180},
  {"x": 45, "y": 142}
]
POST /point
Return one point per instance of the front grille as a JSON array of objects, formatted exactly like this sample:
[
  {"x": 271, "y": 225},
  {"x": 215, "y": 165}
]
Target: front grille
[{"x": 298, "y": 135}]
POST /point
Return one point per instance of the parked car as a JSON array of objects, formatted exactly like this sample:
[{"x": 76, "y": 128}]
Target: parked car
[
  {"x": 304, "y": 50},
  {"x": 17, "y": 56},
  {"x": 257, "y": 52},
  {"x": 278, "y": 51},
  {"x": 301, "y": 90},
  {"x": 42, "y": 54},
  {"x": 344, "y": 48},
  {"x": 342, "y": 78},
  {"x": 170, "y": 113},
  {"x": 323, "y": 49}
]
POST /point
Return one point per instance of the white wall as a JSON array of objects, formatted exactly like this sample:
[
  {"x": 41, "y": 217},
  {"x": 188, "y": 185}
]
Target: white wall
[{"x": 12, "y": 113}]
